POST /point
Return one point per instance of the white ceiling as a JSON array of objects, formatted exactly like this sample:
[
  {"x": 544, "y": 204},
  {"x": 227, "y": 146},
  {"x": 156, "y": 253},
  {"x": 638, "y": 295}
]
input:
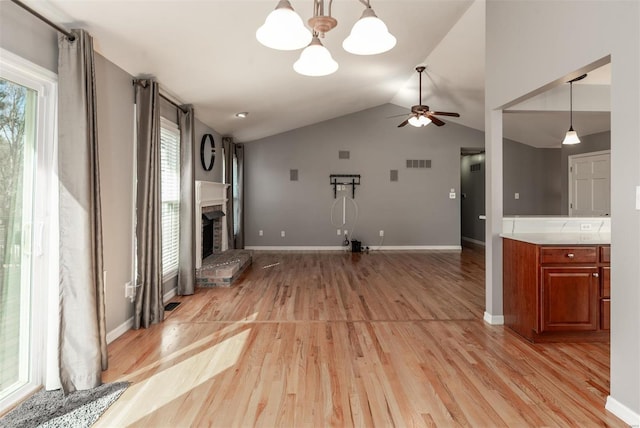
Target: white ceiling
[{"x": 205, "y": 53}]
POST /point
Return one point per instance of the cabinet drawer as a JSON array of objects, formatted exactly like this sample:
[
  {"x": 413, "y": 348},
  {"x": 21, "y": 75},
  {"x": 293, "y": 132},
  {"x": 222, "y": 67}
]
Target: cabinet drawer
[
  {"x": 605, "y": 314},
  {"x": 568, "y": 255},
  {"x": 605, "y": 254}
]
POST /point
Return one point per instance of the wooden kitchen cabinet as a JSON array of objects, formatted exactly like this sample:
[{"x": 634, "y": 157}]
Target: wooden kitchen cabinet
[{"x": 556, "y": 293}]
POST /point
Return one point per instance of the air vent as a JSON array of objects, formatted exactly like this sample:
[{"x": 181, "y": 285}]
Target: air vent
[
  {"x": 476, "y": 167},
  {"x": 293, "y": 175},
  {"x": 393, "y": 175},
  {"x": 343, "y": 154},
  {"x": 418, "y": 163}
]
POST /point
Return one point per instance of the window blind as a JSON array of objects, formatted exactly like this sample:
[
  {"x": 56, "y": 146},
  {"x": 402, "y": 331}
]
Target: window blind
[{"x": 170, "y": 189}]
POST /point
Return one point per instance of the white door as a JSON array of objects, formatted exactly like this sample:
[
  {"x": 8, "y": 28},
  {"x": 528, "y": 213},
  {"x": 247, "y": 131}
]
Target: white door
[{"x": 590, "y": 184}]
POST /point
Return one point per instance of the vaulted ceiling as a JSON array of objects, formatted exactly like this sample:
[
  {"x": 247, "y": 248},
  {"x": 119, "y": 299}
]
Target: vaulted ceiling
[{"x": 205, "y": 53}]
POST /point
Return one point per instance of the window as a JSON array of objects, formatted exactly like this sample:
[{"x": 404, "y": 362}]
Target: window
[{"x": 170, "y": 189}]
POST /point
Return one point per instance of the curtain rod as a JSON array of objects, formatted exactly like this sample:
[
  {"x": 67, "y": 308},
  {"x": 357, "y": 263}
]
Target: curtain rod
[
  {"x": 170, "y": 101},
  {"x": 64, "y": 31}
]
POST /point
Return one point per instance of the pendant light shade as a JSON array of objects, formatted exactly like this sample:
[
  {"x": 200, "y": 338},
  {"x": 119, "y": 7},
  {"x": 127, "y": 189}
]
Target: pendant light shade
[
  {"x": 284, "y": 29},
  {"x": 571, "y": 136},
  {"x": 419, "y": 121},
  {"x": 315, "y": 60},
  {"x": 369, "y": 36}
]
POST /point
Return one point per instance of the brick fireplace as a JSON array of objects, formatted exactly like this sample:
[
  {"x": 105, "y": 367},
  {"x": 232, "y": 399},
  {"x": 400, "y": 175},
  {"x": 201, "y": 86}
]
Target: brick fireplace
[{"x": 211, "y": 200}]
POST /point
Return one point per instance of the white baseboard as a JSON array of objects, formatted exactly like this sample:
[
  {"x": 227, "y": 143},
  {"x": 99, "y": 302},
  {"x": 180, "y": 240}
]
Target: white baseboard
[
  {"x": 128, "y": 324},
  {"x": 169, "y": 294},
  {"x": 297, "y": 248},
  {"x": 623, "y": 412},
  {"x": 120, "y": 330},
  {"x": 493, "y": 319},
  {"x": 348, "y": 249},
  {"x": 474, "y": 241}
]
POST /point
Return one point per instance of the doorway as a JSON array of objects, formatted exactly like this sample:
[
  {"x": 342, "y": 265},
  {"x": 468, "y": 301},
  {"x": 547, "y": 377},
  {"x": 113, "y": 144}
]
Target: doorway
[{"x": 472, "y": 196}]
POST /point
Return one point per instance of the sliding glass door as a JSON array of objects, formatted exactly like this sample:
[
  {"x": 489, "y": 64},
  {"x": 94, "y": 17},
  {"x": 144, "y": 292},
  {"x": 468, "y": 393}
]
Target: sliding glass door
[
  {"x": 28, "y": 218},
  {"x": 17, "y": 170}
]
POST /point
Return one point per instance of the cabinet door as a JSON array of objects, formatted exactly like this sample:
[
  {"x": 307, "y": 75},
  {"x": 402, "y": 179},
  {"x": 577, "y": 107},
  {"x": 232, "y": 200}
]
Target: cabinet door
[{"x": 569, "y": 299}]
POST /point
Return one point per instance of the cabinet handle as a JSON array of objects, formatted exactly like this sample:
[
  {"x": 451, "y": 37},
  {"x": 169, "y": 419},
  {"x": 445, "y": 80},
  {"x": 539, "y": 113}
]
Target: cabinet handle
[
  {"x": 571, "y": 255},
  {"x": 595, "y": 274}
]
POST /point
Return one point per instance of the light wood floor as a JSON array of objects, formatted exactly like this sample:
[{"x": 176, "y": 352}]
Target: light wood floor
[{"x": 335, "y": 339}]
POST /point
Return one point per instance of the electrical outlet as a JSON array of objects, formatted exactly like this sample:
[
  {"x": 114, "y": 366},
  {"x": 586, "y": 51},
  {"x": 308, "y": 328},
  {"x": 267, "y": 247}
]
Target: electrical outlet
[
  {"x": 516, "y": 195},
  {"x": 282, "y": 233},
  {"x": 260, "y": 233},
  {"x": 346, "y": 232},
  {"x": 129, "y": 291},
  {"x": 339, "y": 232},
  {"x": 382, "y": 233},
  {"x": 585, "y": 226},
  {"x": 452, "y": 195}
]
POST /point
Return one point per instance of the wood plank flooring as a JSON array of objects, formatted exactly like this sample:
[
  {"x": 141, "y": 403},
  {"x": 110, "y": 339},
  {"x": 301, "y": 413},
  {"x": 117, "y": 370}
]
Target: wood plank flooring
[{"x": 335, "y": 339}]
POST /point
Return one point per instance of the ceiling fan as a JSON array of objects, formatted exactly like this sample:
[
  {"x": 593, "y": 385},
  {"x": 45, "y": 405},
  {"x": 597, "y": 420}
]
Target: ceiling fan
[{"x": 420, "y": 114}]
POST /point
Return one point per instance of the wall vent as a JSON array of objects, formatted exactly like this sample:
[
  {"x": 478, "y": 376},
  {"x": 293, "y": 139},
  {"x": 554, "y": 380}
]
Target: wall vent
[
  {"x": 475, "y": 167},
  {"x": 418, "y": 163},
  {"x": 343, "y": 154},
  {"x": 293, "y": 175},
  {"x": 393, "y": 175}
]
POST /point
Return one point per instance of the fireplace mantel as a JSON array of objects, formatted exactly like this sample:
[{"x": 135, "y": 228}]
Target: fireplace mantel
[{"x": 209, "y": 193}]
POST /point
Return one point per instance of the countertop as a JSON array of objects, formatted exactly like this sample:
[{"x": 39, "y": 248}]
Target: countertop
[{"x": 560, "y": 238}]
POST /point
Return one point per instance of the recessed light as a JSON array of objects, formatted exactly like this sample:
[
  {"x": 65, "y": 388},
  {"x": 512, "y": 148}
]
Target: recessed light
[{"x": 242, "y": 114}]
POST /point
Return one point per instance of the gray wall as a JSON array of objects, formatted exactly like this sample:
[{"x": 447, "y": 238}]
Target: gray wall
[
  {"x": 534, "y": 173},
  {"x": 588, "y": 144},
  {"x": 415, "y": 210},
  {"x": 472, "y": 197},
  {"x": 520, "y": 60},
  {"x": 27, "y": 36},
  {"x": 114, "y": 93}
]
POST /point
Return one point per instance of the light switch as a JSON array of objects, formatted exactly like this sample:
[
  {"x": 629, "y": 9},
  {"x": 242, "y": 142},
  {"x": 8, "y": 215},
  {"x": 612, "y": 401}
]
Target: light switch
[
  {"x": 516, "y": 195},
  {"x": 260, "y": 232},
  {"x": 282, "y": 233}
]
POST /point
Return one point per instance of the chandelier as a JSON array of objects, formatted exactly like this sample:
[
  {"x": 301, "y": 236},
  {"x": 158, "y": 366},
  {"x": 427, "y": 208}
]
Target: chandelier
[{"x": 284, "y": 30}]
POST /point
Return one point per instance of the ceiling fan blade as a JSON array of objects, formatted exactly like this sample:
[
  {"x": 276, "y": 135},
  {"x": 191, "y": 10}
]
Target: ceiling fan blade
[
  {"x": 435, "y": 120},
  {"x": 445, "y": 113},
  {"x": 404, "y": 123}
]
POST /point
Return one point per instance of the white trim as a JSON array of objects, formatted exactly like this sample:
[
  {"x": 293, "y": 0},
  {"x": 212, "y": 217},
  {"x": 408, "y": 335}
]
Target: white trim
[
  {"x": 128, "y": 324},
  {"x": 208, "y": 193},
  {"x": 623, "y": 412},
  {"x": 473, "y": 241},
  {"x": 170, "y": 294},
  {"x": 340, "y": 248},
  {"x": 120, "y": 330},
  {"x": 493, "y": 319}
]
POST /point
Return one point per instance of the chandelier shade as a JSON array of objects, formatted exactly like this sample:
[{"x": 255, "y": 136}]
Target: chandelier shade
[
  {"x": 315, "y": 60},
  {"x": 284, "y": 29},
  {"x": 369, "y": 36}
]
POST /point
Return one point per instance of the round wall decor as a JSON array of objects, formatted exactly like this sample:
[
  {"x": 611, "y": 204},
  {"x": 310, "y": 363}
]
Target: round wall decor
[{"x": 207, "y": 161}]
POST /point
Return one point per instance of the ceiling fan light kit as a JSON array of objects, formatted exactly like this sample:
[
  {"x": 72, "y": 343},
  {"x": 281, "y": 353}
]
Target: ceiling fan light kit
[
  {"x": 572, "y": 136},
  {"x": 420, "y": 114},
  {"x": 284, "y": 30}
]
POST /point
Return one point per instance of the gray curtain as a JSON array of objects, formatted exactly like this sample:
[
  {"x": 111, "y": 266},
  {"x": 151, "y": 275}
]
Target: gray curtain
[
  {"x": 228, "y": 146},
  {"x": 82, "y": 342},
  {"x": 239, "y": 150},
  {"x": 186, "y": 264},
  {"x": 149, "y": 307}
]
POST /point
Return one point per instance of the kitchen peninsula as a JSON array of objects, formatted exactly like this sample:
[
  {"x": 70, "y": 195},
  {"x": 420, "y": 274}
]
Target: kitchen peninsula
[{"x": 556, "y": 277}]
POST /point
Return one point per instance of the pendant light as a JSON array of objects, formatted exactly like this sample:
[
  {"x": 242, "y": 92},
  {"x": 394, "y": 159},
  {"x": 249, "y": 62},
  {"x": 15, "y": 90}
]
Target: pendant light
[{"x": 572, "y": 136}]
